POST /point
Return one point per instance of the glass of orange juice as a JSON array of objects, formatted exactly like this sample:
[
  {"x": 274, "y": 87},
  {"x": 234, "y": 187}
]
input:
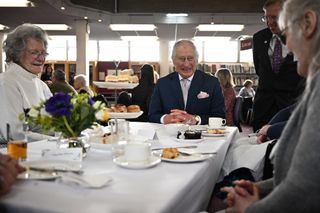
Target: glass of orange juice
[{"x": 17, "y": 149}]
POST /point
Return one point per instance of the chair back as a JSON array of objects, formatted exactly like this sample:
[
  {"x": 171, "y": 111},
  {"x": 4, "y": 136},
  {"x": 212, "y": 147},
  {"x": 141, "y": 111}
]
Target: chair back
[
  {"x": 237, "y": 112},
  {"x": 124, "y": 98}
]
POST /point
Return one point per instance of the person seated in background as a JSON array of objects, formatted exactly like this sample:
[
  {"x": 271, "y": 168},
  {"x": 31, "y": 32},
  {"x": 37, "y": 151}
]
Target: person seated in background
[
  {"x": 295, "y": 186},
  {"x": 80, "y": 85},
  {"x": 59, "y": 83},
  {"x": 186, "y": 95},
  {"x": 141, "y": 94},
  {"x": 226, "y": 81},
  {"x": 124, "y": 98},
  {"x": 9, "y": 171},
  {"x": 46, "y": 74},
  {"x": 20, "y": 87},
  {"x": 247, "y": 91}
]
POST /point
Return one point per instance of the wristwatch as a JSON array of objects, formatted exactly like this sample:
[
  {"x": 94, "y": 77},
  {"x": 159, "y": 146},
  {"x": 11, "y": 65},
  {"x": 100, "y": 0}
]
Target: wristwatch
[{"x": 197, "y": 118}]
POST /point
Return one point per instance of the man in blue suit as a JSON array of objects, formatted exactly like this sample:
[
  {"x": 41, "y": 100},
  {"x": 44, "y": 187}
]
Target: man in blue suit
[{"x": 187, "y": 95}]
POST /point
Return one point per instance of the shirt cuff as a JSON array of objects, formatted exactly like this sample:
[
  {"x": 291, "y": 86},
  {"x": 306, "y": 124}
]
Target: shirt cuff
[{"x": 162, "y": 118}]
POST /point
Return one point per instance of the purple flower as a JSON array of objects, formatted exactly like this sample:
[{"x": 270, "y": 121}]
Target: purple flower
[
  {"x": 59, "y": 105},
  {"x": 90, "y": 101}
]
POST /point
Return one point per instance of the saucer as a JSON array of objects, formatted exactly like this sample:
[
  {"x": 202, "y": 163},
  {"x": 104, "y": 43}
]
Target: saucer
[
  {"x": 189, "y": 140},
  {"x": 189, "y": 159},
  {"x": 206, "y": 134},
  {"x": 151, "y": 162}
]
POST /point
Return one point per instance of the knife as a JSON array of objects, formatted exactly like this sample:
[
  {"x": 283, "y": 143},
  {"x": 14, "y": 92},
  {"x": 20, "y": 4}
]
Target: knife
[{"x": 53, "y": 170}]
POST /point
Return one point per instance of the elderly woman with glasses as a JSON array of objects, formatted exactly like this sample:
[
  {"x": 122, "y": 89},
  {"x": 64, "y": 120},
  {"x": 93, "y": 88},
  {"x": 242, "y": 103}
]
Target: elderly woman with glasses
[
  {"x": 295, "y": 186},
  {"x": 20, "y": 86}
]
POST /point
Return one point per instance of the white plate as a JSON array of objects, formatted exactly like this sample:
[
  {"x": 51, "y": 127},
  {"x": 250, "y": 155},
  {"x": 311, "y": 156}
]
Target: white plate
[
  {"x": 188, "y": 159},
  {"x": 206, "y": 134},
  {"x": 115, "y": 85},
  {"x": 189, "y": 140},
  {"x": 61, "y": 165},
  {"x": 36, "y": 175},
  {"x": 122, "y": 162},
  {"x": 125, "y": 115},
  {"x": 221, "y": 128}
]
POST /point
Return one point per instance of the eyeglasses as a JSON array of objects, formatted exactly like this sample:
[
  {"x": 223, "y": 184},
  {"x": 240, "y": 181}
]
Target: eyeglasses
[
  {"x": 37, "y": 54},
  {"x": 188, "y": 58},
  {"x": 269, "y": 18}
]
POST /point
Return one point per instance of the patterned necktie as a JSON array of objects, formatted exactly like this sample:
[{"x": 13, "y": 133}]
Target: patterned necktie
[
  {"x": 277, "y": 56},
  {"x": 185, "y": 88}
]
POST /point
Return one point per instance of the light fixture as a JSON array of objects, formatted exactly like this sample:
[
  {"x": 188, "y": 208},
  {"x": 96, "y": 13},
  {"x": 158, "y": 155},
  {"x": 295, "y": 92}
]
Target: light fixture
[
  {"x": 132, "y": 27},
  {"x": 3, "y": 27},
  {"x": 62, "y": 6},
  {"x": 16, "y": 3},
  {"x": 54, "y": 26},
  {"x": 220, "y": 27},
  {"x": 212, "y": 38},
  {"x": 139, "y": 38},
  {"x": 176, "y": 14},
  {"x": 85, "y": 17}
]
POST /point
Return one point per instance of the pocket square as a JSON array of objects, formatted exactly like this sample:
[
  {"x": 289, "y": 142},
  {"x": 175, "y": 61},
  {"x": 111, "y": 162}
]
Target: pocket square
[{"x": 202, "y": 95}]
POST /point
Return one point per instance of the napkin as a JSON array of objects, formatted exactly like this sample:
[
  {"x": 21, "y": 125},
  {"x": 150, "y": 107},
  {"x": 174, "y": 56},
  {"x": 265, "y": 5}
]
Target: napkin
[{"x": 87, "y": 181}]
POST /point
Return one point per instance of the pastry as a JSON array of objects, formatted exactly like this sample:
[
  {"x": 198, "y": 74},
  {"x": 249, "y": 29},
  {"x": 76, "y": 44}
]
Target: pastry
[
  {"x": 192, "y": 134},
  {"x": 170, "y": 153},
  {"x": 111, "y": 78},
  {"x": 119, "y": 108},
  {"x": 133, "y": 108}
]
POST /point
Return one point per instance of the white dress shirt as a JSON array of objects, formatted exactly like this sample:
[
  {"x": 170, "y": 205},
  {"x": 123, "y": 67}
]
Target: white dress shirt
[{"x": 19, "y": 90}]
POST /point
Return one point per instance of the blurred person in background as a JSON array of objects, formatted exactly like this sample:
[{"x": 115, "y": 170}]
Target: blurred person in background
[
  {"x": 80, "y": 85},
  {"x": 247, "y": 90},
  {"x": 59, "y": 83},
  {"x": 226, "y": 81},
  {"x": 47, "y": 74}
]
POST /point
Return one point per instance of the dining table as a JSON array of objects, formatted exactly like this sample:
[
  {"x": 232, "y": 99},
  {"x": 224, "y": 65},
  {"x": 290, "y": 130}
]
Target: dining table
[{"x": 164, "y": 187}]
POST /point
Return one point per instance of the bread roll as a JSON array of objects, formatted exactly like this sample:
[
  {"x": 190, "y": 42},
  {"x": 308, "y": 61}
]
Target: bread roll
[
  {"x": 119, "y": 108},
  {"x": 133, "y": 108}
]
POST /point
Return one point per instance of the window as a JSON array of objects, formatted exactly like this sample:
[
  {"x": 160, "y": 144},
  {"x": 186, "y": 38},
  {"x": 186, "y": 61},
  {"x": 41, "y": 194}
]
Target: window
[
  {"x": 220, "y": 51},
  {"x": 113, "y": 50},
  {"x": 144, "y": 50}
]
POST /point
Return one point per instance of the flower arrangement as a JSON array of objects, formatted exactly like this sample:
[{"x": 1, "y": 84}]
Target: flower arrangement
[{"x": 67, "y": 114}]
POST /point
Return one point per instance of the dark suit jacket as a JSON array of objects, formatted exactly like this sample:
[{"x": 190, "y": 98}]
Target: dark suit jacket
[
  {"x": 167, "y": 95},
  {"x": 275, "y": 91}
]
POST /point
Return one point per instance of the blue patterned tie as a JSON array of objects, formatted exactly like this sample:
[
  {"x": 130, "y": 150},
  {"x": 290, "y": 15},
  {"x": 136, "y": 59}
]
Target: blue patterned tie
[{"x": 277, "y": 56}]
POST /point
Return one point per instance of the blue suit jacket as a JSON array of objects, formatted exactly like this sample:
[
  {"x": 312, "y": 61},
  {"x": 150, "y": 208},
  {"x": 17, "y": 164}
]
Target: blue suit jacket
[{"x": 167, "y": 95}]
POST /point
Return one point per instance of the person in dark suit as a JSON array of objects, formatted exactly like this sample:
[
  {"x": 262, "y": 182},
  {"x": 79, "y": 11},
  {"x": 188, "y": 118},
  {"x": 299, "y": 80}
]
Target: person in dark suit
[
  {"x": 279, "y": 83},
  {"x": 186, "y": 95},
  {"x": 141, "y": 94}
]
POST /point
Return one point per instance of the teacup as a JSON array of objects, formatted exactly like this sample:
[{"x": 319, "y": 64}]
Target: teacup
[
  {"x": 174, "y": 128},
  {"x": 216, "y": 123},
  {"x": 137, "y": 151}
]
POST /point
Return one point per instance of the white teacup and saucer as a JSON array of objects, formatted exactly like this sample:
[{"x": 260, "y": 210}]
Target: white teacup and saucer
[{"x": 137, "y": 155}]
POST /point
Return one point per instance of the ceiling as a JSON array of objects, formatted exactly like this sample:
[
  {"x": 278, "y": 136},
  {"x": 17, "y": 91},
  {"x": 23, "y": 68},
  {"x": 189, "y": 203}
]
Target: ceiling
[{"x": 247, "y": 12}]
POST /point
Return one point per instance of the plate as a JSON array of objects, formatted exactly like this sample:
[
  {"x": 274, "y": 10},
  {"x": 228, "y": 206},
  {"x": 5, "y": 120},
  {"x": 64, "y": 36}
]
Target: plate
[
  {"x": 54, "y": 165},
  {"x": 206, "y": 134},
  {"x": 115, "y": 85},
  {"x": 221, "y": 128},
  {"x": 125, "y": 115},
  {"x": 122, "y": 162},
  {"x": 189, "y": 140},
  {"x": 37, "y": 175},
  {"x": 188, "y": 159}
]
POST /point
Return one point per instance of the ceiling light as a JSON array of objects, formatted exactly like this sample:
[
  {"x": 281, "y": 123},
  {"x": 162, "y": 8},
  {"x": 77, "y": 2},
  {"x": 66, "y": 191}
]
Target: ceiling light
[
  {"x": 177, "y": 14},
  {"x": 132, "y": 27},
  {"x": 62, "y": 6},
  {"x": 3, "y": 27},
  {"x": 139, "y": 38},
  {"x": 212, "y": 38},
  {"x": 15, "y": 3},
  {"x": 85, "y": 17},
  {"x": 220, "y": 27},
  {"x": 54, "y": 26}
]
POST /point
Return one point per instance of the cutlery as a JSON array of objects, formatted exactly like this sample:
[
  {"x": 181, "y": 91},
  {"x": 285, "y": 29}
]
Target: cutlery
[
  {"x": 191, "y": 147},
  {"x": 195, "y": 153},
  {"x": 53, "y": 170}
]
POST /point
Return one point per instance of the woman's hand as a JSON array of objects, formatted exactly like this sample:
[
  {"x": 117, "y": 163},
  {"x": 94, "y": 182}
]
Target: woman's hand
[{"x": 240, "y": 197}]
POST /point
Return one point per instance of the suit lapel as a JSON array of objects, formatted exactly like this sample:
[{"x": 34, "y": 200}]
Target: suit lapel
[{"x": 266, "y": 46}]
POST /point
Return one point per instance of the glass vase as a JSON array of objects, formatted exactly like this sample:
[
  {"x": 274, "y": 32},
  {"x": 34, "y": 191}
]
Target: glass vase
[{"x": 75, "y": 142}]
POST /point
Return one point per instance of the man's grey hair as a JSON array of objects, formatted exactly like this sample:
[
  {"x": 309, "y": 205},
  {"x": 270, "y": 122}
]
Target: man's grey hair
[
  {"x": 182, "y": 42},
  {"x": 59, "y": 75}
]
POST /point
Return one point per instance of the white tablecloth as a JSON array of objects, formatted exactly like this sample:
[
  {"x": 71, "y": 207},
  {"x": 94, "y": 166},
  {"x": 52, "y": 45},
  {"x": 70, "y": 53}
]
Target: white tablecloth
[{"x": 168, "y": 187}]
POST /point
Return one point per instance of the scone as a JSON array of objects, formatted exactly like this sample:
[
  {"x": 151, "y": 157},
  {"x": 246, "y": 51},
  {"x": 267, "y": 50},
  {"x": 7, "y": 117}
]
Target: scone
[{"x": 170, "y": 153}]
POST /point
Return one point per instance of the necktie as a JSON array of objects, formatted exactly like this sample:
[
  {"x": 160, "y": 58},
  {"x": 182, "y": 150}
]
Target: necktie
[
  {"x": 185, "y": 88},
  {"x": 277, "y": 56}
]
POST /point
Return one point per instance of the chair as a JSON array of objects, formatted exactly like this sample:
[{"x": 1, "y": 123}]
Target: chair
[
  {"x": 124, "y": 98},
  {"x": 237, "y": 112}
]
